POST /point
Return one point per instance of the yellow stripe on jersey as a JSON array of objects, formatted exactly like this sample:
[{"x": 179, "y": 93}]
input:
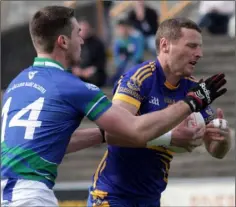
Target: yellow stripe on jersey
[
  {"x": 99, "y": 169},
  {"x": 149, "y": 68},
  {"x": 170, "y": 86},
  {"x": 103, "y": 166},
  {"x": 166, "y": 157},
  {"x": 98, "y": 193},
  {"x": 143, "y": 78},
  {"x": 166, "y": 171},
  {"x": 161, "y": 149},
  {"x": 140, "y": 70},
  {"x": 127, "y": 99},
  {"x": 168, "y": 153}
]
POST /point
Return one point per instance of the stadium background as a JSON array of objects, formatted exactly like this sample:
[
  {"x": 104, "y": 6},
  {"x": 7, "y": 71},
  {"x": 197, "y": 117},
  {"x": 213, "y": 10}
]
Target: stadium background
[{"x": 196, "y": 179}]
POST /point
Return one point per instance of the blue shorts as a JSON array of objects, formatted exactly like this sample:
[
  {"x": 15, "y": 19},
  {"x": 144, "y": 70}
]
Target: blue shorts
[{"x": 113, "y": 201}]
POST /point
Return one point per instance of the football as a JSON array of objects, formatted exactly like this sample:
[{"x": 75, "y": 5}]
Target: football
[{"x": 195, "y": 120}]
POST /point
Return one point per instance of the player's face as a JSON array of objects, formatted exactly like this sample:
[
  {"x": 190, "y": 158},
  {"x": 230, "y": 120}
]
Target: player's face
[
  {"x": 75, "y": 42},
  {"x": 185, "y": 52}
]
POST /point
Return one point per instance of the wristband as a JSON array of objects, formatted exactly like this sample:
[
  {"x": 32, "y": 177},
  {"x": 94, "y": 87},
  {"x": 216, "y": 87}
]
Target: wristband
[
  {"x": 192, "y": 104},
  {"x": 103, "y": 135},
  {"x": 164, "y": 140}
]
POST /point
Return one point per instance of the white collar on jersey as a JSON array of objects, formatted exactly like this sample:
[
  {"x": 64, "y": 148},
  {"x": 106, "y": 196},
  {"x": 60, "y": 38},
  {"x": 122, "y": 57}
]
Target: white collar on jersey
[{"x": 47, "y": 62}]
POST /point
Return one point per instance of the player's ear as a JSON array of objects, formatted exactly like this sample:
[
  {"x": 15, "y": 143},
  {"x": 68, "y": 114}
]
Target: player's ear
[
  {"x": 63, "y": 42},
  {"x": 164, "y": 45}
]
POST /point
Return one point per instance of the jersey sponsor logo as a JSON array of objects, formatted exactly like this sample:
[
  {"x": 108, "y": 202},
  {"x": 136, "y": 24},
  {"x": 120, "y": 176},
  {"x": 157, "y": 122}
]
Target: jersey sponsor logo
[
  {"x": 169, "y": 101},
  {"x": 27, "y": 84},
  {"x": 129, "y": 92},
  {"x": 32, "y": 74},
  {"x": 133, "y": 85},
  {"x": 154, "y": 101},
  {"x": 91, "y": 87}
]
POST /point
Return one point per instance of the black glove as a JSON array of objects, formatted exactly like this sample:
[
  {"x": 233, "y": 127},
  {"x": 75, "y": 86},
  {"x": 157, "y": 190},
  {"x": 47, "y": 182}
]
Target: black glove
[{"x": 205, "y": 92}]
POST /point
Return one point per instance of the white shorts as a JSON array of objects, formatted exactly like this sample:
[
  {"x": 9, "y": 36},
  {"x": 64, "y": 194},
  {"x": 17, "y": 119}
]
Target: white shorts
[{"x": 26, "y": 193}]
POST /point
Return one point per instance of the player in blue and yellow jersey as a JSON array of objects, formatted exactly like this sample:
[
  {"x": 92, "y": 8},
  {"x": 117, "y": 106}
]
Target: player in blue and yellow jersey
[
  {"x": 44, "y": 104},
  {"x": 132, "y": 177}
]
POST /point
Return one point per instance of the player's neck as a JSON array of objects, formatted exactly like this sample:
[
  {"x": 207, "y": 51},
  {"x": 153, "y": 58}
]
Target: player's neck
[
  {"x": 170, "y": 77},
  {"x": 53, "y": 57}
]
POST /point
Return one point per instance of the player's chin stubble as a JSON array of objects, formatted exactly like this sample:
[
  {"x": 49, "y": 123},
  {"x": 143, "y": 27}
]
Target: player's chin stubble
[{"x": 72, "y": 60}]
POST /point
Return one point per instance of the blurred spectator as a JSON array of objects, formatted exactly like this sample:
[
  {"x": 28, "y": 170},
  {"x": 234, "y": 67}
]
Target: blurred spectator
[
  {"x": 231, "y": 29},
  {"x": 145, "y": 20},
  {"x": 215, "y": 15},
  {"x": 92, "y": 68},
  {"x": 128, "y": 48}
]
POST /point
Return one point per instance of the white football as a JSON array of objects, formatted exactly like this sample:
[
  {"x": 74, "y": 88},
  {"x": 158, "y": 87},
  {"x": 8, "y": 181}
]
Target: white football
[{"x": 195, "y": 120}]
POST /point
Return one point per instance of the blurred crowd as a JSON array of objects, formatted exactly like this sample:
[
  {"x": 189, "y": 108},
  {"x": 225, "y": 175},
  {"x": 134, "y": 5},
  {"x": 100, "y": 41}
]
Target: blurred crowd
[
  {"x": 133, "y": 35},
  {"x": 216, "y": 15}
]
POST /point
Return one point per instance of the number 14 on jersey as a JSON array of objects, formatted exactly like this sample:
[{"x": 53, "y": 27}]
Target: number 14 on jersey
[{"x": 30, "y": 124}]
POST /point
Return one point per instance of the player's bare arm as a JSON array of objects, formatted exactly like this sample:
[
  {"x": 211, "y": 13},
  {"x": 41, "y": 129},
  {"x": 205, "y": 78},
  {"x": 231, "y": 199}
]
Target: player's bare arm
[
  {"x": 84, "y": 138},
  {"x": 181, "y": 135},
  {"x": 138, "y": 130},
  {"x": 217, "y": 138},
  {"x": 127, "y": 130}
]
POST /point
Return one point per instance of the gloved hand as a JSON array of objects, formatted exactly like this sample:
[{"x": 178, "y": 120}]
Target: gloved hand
[{"x": 205, "y": 92}]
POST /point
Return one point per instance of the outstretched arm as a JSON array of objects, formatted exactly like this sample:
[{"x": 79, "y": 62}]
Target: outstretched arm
[
  {"x": 138, "y": 130},
  {"x": 125, "y": 129},
  {"x": 84, "y": 138}
]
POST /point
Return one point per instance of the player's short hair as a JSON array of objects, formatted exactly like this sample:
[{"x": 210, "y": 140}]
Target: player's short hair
[
  {"x": 171, "y": 29},
  {"x": 47, "y": 24}
]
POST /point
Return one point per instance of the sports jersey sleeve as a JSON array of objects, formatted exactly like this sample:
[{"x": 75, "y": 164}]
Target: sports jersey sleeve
[
  {"x": 86, "y": 98},
  {"x": 131, "y": 87},
  {"x": 94, "y": 103}
]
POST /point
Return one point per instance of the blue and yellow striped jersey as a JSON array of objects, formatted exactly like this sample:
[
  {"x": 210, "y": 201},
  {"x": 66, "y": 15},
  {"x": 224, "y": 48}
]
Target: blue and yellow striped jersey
[{"x": 142, "y": 172}]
